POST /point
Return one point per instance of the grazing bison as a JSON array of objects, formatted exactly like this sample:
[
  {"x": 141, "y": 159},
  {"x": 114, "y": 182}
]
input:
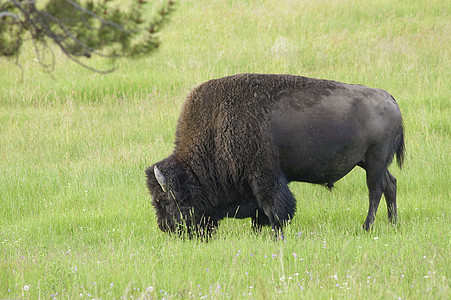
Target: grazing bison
[{"x": 241, "y": 139}]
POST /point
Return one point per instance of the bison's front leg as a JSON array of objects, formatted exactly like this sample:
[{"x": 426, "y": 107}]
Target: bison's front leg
[
  {"x": 259, "y": 220},
  {"x": 275, "y": 199}
]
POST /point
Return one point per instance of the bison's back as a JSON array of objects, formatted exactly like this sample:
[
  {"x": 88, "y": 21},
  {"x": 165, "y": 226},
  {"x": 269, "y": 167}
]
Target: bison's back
[
  {"x": 239, "y": 105},
  {"x": 244, "y": 120}
]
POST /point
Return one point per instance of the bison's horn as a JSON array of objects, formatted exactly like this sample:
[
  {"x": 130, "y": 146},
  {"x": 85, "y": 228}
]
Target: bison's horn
[{"x": 160, "y": 178}]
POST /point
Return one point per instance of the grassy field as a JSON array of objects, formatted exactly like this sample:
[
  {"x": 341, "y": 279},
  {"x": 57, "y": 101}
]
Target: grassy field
[{"x": 76, "y": 219}]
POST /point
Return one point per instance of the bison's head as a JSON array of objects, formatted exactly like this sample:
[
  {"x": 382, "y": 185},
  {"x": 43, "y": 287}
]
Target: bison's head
[{"x": 174, "y": 190}]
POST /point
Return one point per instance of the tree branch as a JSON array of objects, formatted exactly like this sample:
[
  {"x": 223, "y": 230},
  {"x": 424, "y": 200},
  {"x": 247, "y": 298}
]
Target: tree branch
[{"x": 78, "y": 30}]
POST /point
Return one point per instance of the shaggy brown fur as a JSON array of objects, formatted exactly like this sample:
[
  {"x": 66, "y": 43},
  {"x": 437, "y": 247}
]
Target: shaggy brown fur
[{"x": 226, "y": 161}]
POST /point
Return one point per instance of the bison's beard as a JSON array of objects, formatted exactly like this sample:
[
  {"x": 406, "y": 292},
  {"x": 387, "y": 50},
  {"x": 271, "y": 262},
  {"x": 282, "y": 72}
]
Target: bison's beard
[{"x": 184, "y": 222}]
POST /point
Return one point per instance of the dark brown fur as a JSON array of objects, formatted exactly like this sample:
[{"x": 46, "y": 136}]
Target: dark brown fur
[{"x": 226, "y": 161}]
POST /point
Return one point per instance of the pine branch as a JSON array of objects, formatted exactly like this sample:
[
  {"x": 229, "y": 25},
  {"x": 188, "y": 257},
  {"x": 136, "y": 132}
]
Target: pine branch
[{"x": 77, "y": 29}]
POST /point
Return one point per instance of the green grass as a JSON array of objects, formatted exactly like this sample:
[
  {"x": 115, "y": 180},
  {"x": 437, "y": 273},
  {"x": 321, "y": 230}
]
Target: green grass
[{"x": 76, "y": 219}]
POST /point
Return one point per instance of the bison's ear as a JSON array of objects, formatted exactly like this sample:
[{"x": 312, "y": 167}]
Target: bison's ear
[{"x": 160, "y": 178}]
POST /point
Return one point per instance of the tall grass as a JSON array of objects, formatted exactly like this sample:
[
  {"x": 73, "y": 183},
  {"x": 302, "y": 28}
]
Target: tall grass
[{"x": 75, "y": 217}]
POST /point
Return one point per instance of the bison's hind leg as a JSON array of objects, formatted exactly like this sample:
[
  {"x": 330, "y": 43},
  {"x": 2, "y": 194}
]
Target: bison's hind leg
[
  {"x": 380, "y": 181},
  {"x": 375, "y": 189},
  {"x": 275, "y": 199},
  {"x": 390, "y": 197}
]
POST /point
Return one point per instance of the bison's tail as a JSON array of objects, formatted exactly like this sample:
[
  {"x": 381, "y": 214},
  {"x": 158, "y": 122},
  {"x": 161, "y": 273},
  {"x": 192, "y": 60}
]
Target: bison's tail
[{"x": 400, "y": 148}]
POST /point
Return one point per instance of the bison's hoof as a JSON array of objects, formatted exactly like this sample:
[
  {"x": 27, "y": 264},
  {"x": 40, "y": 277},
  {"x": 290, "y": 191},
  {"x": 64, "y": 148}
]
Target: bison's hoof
[{"x": 366, "y": 226}]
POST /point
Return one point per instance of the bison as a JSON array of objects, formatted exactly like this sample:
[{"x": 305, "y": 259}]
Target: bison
[{"x": 241, "y": 139}]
